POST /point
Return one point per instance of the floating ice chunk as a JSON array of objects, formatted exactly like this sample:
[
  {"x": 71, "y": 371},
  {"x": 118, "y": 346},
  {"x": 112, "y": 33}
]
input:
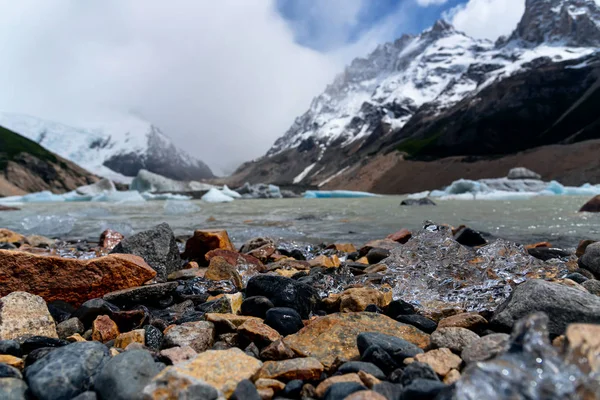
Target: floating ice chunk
[
  {"x": 165, "y": 196},
  {"x": 42, "y": 197},
  {"x": 48, "y": 225},
  {"x": 177, "y": 207},
  {"x": 130, "y": 196},
  {"x": 103, "y": 185},
  {"x": 231, "y": 193},
  {"x": 333, "y": 194},
  {"x": 216, "y": 196}
]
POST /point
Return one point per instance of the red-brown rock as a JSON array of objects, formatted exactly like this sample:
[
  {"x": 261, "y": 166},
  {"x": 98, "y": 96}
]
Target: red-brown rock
[
  {"x": 71, "y": 280},
  {"x": 402, "y": 236},
  {"x": 592, "y": 205},
  {"x": 109, "y": 239},
  {"x": 236, "y": 259},
  {"x": 204, "y": 241}
]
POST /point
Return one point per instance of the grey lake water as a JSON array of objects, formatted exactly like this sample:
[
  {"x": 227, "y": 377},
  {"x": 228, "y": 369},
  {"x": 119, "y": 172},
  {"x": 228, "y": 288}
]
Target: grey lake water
[{"x": 553, "y": 219}]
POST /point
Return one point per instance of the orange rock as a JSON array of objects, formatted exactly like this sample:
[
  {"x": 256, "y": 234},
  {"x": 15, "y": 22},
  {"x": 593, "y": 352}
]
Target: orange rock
[
  {"x": 236, "y": 259},
  {"x": 324, "y": 261},
  {"x": 219, "y": 270},
  {"x": 334, "y": 336},
  {"x": 343, "y": 247},
  {"x": 13, "y": 361},
  {"x": 204, "y": 241},
  {"x": 264, "y": 252},
  {"x": 8, "y": 236},
  {"x": 357, "y": 299},
  {"x": 537, "y": 245},
  {"x": 442, "y": 361},
  {"x": 468, "y": 320},
  {"x": 104, "y": 329},
  {"x": 71, "y": 280},
  {"x": 258, "y": 332},
  {"x": 402, "y": 236},
  {"x": 109, "y": 239},
  {"x": 296, "y": 368},
  {"x": 135, "y": 336}
]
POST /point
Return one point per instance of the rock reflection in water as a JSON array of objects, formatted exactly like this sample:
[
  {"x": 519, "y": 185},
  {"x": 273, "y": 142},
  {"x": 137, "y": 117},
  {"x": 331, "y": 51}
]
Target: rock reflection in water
[{"x": 432, "y": 268}]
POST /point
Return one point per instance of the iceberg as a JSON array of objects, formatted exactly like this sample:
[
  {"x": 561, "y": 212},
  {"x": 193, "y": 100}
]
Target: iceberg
[
  {"x": 231, "y": 193},
  {"x": 336, "y": 194},
  {"x": 147, "y": 181},
  {"x": 509, "y": 189},
  {"x": 216, "y": 196}
]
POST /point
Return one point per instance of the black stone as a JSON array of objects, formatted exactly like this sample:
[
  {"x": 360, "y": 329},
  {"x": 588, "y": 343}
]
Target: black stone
[
  {"x": 577, "y": 277},
  {"x": 425, "y": 201},
  {"x": 125, "y": 375},
  {"x": 373, "y": 308},
  {"x": 10, "y": 347},
  {"x": 379, "y": 357},
  {"x": 252, "y": 350},
  {"x": 89, "y": 310},
  {"x": 146, "y": 294},
  {"x": 397, "y": 348},
  {"x": 399, "y": 307},
  {"x": 356, "y": 366},
  {"x": 190, "y": 316},
  {"x": 341, "y": 390},
  {"x": 418, "y": 321},
  {"x": 417, "y": 370},
  {"x": 285, "y": 292},
  {"x": 157, "y": 246},
  {"x": 66, "y": 371},
  {"x": 60, "y": 310},
  {"x": 37, "y": 354},
  {"x": 256, "y": 306},
  {"x": 469, "y": 237},
  {"x": 284, "y": 320},
  {"x": 293, "y": 389},
  {"x": 219, "y": 306},
  {"x": 132, "y": 319},
  {"x": 377, "y": 254},
  {"x": 154, "y": 337},
  {"x": 422, "y": 389},
  {"x": 245, "y": 390},
  {"x": 38, "y": 342},
  {"x": 547, "y": 253},
  {"x": 6, "y": 371},
  {"x": 298, "y": 255}
]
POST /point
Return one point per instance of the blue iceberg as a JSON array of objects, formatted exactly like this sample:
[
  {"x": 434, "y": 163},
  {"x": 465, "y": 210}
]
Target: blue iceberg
[{"x": 336, "y": 194}]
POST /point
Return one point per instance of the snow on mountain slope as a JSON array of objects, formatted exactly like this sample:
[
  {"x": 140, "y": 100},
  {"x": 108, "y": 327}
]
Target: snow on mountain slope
[
  {"x": 437, "y": 69},
  {"x": 116, "y": 149}
]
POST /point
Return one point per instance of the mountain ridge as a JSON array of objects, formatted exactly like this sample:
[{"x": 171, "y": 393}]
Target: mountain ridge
[
  {"x": 375, "y": 104},
  {"x": 116, "y": 149}
]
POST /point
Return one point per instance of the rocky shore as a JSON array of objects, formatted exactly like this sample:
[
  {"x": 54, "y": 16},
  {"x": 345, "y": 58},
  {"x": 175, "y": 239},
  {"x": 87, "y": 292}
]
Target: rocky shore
[{"x": 438, "y": 313}]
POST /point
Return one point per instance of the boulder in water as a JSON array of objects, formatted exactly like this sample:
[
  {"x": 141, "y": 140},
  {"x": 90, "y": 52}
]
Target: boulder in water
[
  {"x": 592, "y": 205},
  {"x": 523, "y": 173},
  {"x": 259, "y": 191},
  {"x": 424, "y": 201}
]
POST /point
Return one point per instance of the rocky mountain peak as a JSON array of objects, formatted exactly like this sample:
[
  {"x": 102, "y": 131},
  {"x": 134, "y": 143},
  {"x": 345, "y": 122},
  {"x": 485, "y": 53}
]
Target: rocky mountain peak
[{"x": 567, "y": 22}]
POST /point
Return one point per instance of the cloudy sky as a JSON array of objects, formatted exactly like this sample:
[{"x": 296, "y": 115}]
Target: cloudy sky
[{"x": 224, "y": 78}]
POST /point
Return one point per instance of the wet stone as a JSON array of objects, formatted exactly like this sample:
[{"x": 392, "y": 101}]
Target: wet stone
[
  {"x": 399, "y": 307},
  {"x": 342, "y": 390},
  {"x": 293, "y": 389},
  {"x": 485, "y": 348},
  {"x": 11, "y": 347},
  {"x": 8, "y": 371},
  {"x": 245, "y": 390},
  {"x": 256, "y": 306},
  {"x": 284, "y": 320},
  {"x": 423, "y": 389},
  {"x": 141, "y": 295},
  {"x": 322, "y": 388},
  {"x": 12, "y": 389},
  {"x": 67, "y": 371},
  {"x": 382, "y": 359},
  {"x": 297, "y": 368},
  {"x": 125, "y": 375},
  {"x": 335, "y": 336},
  {"x": 285, "y": 292},
  {"x": 69, "y": 327},
  {"x": 456, "y": 339},
  {"x": 418, "y": 321},
  {"x": 200, "y": 335},
  {"x": 153, "y": 337},
  {"x": 37, "y": 342},
  {"x": 357, "y": 366},
  {"x": 397, "y": 348}
]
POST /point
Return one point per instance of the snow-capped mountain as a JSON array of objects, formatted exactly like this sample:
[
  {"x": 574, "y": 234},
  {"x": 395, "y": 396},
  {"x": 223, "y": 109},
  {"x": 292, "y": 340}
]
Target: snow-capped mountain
[
  {"x": 426, "y": 75},
  {"x": 116, "y": 150}
]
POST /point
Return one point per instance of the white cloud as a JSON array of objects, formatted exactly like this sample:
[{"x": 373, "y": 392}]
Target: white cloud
[
  {"x": 224, "y": 79},
  {"x": 427, "y": 3},
  {"x": 488, "y": 19}
]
